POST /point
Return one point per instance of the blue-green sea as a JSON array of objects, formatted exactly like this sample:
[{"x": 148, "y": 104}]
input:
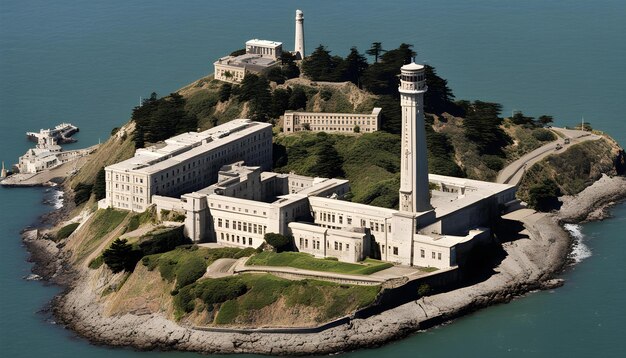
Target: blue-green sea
[{"x": 88, "y": 62}]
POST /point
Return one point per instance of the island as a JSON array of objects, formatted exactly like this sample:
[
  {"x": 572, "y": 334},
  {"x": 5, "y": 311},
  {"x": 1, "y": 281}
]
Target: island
[{"x": 298, "y": 204}]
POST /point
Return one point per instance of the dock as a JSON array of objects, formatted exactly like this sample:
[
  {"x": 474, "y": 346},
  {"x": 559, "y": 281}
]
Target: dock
[{"x": 62, "y": 133}]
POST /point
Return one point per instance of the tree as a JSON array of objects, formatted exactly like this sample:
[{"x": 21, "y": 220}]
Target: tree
[
  {"x": 280, "y": 101},
  {"x": 288, "y": 65},
  {"x": 298, "y": 99},
  {"x": 520, "y": 119},
  {"x": 439, "y": 97},
  {"x": 321, "y": 66},
  {"x": 99, "y": 187},
  {"x": 376, "y": 50},
  {"x": 328, "y": 162},
  {"x": 138, "y": 137},
  {"x": 275, "y": 74},
  {"x": 225, "y": 92},
  {"x": 261, "y": 101},
  {"x": 382, "y": 78},
  {"x": 121, "y": 256},
  {"x": 482, "y": 126},
  {"x": 357, "y": 129},
  {"x": 353, "y": 67},
  {"x": 544, "y": 196},
  {"x": 545, "y": 120}
]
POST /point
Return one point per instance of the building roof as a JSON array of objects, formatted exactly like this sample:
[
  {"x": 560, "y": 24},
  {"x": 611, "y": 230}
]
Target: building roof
[
  {"x": 412, "y": 67},
  {"x": 185, "y": 146},
  {"x": 263, "y": 43}
]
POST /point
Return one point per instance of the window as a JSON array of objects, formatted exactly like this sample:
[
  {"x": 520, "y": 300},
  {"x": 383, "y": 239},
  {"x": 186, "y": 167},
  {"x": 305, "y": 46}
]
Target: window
[
  {"x": 306, "y": 243},
  {"x": 219, "y": 222},
  {"x": 349, "y": 220},
  {"x": 422, "y": 253},
  {"x": 226, "y": 223},
  {"x": 395, "y": 250},
  {"x": 433, "y": 254},
  {"x": 439, "y": 256},
  {"x": 336, "y": 245},
  {"x": 250, "y": 241}
]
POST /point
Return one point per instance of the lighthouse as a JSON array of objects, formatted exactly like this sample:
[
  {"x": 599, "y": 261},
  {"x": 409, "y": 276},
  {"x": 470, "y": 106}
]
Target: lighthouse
[
  {"x": 298, "y": 49},
  {"x": 414, "y": 193}
]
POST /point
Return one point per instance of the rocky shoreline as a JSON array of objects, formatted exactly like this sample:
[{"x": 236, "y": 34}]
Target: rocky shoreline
[{"x": 530, "y": 264}]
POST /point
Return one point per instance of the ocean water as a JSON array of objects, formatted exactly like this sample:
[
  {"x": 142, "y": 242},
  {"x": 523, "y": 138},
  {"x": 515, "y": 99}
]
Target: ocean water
[{"x": 88, "y": 63}]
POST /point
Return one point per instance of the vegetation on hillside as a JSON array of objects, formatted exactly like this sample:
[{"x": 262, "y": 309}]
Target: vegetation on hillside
[
  {"x": 571, "y": 170},
  {"x": 160, "y": 118},
  {"x": 242, "y": 299},
  {"x": 308, "y": 262}
]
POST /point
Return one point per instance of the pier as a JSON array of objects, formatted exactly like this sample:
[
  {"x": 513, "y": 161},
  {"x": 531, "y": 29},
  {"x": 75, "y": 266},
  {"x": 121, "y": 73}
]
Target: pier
[{"x": 62, "y": 133}]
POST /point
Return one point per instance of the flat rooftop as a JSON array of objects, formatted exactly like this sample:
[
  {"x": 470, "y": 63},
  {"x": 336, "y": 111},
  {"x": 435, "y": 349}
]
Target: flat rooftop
[
  {"x": 263, "y": 43},
  {"x": 187, "y": 145}
]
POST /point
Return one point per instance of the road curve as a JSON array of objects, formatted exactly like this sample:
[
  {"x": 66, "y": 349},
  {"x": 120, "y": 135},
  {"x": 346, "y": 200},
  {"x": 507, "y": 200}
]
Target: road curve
[{"x": 512, "y": 173}]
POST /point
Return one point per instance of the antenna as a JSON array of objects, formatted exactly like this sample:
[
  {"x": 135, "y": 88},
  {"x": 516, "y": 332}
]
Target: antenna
[
  {"x": 582, "y": 124},
  {"x": 139, "y": 101}
]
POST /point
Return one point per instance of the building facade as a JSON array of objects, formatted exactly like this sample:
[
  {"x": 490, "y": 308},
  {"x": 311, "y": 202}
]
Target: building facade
[
  {"x": 260, "y": 57},
  {"x": 185, "y": 163},
  {"x": 331, "y": 122}
]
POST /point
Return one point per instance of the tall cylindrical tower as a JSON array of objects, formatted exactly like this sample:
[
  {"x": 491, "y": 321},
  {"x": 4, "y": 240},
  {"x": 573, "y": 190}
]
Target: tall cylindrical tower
[
  {"x": 414, "y": 193},
  {"x": 298, "y": 49}
]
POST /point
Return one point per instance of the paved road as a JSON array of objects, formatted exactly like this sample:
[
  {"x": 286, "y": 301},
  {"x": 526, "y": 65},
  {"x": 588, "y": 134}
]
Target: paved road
[{"x": 512, "y": 173}]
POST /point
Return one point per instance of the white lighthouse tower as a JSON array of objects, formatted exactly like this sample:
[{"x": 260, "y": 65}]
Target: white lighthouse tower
[
  {"x": 298, "y": 49},
  {"x": 414, "y": 193}
]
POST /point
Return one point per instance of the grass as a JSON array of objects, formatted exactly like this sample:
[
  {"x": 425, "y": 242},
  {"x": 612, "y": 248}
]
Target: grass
[
  {"x": 184, "y": 262},
  {"x": 66, "y": 231},
  {"x": 330, "y": 300},
  {"x": 308, "y": 262},
  {"x": 103, "y": 222}
]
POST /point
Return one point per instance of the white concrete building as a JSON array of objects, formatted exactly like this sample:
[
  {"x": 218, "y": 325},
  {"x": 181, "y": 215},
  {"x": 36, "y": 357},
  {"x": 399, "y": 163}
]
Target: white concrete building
[
  {"x": 432, "y": 228},
  {"x": 47, "y": 155},
  {"x": 260, "y": 57},
  {"x": 331, "y": 122},
  {"x": 185, "y": 163},
  {"x": 247, "y": 203}
]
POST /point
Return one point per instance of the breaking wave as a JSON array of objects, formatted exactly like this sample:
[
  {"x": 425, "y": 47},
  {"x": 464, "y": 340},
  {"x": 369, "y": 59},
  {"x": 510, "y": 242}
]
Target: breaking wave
[{"x": 580, "y": 251}]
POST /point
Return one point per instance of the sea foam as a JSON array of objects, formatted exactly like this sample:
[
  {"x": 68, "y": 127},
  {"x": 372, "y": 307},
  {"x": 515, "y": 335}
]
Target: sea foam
[{"x": 580, "y": 251}]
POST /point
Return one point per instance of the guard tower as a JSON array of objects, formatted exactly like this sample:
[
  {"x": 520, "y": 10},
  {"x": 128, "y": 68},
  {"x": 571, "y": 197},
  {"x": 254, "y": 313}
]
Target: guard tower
[
  {"x": 414, "y": 194},
  {"x": 298, "y": 49}
]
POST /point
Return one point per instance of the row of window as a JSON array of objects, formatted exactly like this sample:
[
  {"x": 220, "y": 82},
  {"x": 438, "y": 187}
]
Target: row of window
[
  {"x": 235, "y": 238},
  {"x": 393, "y": 248},
  {"x": 434, "y": 254},
  {"x": 331, "y": 217},
  {"x": 315, "y": 244},
  {"x": 241, "y": 226},
  {"x": 234, "y": 208},
  {"x": 336, "y": 129}
]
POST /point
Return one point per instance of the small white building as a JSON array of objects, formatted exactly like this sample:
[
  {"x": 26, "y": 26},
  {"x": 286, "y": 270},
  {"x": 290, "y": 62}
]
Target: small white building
[
  {"x": 260, "y": 57},
  {"x": 331, "y": 122}
]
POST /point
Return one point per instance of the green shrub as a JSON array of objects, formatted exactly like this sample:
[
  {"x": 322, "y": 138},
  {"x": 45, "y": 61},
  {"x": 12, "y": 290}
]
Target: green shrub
[
  {"x": 543, "y": 196},
  {"x": 66, "y": 231},
  {"x": 543, "y": 135},
  {"x": 96, "y": 263},
  {"x": 82, "y": 193},
  {"x": 121, "y": 256},
  {"x": 493, "y": 162},
  {"x": 279, "y": 242},
  {"x": 163, "y": 241},
  {"x": 189, "y": 271}
]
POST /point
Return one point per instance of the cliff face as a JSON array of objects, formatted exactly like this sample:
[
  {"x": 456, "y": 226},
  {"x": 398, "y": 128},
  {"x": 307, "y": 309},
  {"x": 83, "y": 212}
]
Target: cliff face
[{"x": 577, "y": 167}]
